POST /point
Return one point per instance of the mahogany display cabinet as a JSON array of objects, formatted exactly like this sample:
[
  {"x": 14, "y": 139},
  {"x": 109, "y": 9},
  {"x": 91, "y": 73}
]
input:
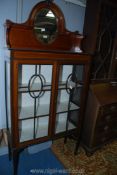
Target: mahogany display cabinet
[{"x": 47, "y": 78}]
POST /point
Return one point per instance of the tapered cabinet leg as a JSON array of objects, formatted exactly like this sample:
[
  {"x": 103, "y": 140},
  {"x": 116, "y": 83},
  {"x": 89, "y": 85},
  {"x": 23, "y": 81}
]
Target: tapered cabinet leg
[
  {"x": 65, "y": 139},
  {"x": 77, "y": 146},
  {"x": 15, "y": 161},
  {"x": 9, "y": 152}
]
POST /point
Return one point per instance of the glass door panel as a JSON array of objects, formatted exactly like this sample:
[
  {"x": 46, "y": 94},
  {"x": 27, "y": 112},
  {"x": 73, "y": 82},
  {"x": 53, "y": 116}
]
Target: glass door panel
[
  {"x": 34, "y": 93},
  {"x": 71, "y": 81}
]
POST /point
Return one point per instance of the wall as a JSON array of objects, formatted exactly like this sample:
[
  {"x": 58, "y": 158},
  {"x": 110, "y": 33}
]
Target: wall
[
  {"x": 18, "y": 11},
  {"x": 8, "y": 9}
]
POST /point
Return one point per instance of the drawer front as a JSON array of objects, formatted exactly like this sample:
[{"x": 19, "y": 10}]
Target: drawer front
[
  {"x": 109, "y": 109},
  {"x": 109, "y": 119},
  {"x": 106, "y": 136},
  {"x": 105, "y": 127},
  {"x": 106, "y": 116},
  {"x": 105, "y": 131}
]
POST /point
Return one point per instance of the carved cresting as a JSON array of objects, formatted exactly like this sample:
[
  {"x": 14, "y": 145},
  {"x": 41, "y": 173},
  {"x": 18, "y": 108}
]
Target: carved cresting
[
  {"x": 22, "y": 36},
  {"x": 49, "y": 1}
]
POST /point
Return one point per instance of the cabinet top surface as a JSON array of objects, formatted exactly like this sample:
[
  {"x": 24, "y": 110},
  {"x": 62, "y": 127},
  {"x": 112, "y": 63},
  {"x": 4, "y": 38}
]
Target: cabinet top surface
[
  {"x": 39, "y": 55},
  {"x": 106, "y": 93}
]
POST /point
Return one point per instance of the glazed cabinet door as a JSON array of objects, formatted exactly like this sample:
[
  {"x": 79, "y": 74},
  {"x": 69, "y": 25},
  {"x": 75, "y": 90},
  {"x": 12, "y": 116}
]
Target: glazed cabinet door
[
  {"x": 70, "y": 89},
  {"x": 46, "y": 99},
  {"x": 33, "y": 95}
]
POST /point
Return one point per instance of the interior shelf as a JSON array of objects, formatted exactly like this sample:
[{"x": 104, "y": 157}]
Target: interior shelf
[
  {"x": 28, "y": 111},
  {"x": 61, "y": 123},
  {"x": 23, "y": 88},
  {"x": 43, "y": 110},
  {"x": 27, "y": 128},
  {"x": 27, "y": 134},
  {"x": 63, "y": 107}
]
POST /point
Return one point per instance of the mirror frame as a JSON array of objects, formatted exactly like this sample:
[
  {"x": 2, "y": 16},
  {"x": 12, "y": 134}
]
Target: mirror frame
[
  {"x": 42, "y": 32},
  {"x": 54, "y": 8}
]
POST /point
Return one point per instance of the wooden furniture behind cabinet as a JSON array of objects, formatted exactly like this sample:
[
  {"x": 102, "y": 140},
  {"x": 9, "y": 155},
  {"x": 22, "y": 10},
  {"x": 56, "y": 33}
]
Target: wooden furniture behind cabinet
[
  {"x": 100, "y": 125},
  {"x": 45, "y": 67},
  {"x": 100, "y": 32}
]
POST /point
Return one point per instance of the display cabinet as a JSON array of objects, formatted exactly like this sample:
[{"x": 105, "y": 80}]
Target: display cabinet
[{"x": 47, "y": 78}]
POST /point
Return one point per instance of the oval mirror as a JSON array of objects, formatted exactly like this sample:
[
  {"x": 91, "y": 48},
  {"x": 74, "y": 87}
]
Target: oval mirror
[{"x": 45, "y": 26}]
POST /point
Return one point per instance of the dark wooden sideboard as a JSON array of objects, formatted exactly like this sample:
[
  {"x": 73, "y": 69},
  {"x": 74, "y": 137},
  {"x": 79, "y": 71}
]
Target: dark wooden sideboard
[{"x": 100, "y": 125}]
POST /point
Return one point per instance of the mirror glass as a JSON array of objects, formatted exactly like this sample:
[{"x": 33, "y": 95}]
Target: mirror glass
[{"x": 45, "y": 26}]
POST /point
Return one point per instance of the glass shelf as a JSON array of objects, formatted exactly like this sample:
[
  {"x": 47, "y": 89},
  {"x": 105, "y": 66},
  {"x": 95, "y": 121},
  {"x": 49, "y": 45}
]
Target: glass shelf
[
  {"x": 27, "y": 128},
  {"x": 28, "y": 111},
  {"x": 61, "y": 127},
  {"x": 43, "y": 110},
  {"x": 23, "y": 88},
  {"x": 61, "y": 123},
  {"x": 63, "y": 107},
  {"x": 42, "y": 129}
]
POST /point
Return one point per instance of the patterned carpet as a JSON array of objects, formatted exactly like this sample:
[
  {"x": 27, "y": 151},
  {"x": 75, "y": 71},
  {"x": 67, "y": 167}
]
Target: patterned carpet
[{"x": 102, "y": 162}]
